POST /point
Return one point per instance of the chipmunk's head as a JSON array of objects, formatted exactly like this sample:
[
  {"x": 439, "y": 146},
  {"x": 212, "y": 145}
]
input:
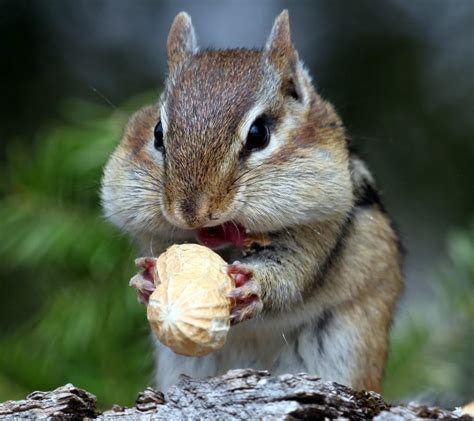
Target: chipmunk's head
[{"x": 238, "y": 136}]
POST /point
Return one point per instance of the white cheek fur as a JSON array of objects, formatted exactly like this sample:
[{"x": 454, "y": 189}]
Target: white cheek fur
[
  {"x": 257, "y": 157},
  {"x": 250, "y": 117},
  {"x": 164, "y": 118},
  {"x": 153, "y": 152}
]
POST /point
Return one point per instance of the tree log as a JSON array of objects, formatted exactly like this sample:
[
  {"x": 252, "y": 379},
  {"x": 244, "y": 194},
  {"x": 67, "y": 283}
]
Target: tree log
[{"x": 237, "y": 395}]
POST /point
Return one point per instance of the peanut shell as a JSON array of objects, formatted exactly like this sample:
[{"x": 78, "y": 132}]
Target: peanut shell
[{"x": 189, "y": 310}]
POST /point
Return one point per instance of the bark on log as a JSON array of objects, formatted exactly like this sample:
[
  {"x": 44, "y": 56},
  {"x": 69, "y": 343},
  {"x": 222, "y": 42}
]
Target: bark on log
[{"x": 237, "y": 395}]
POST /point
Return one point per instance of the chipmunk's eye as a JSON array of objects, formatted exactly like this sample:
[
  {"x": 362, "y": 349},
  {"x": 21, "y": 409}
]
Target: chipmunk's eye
[
  {"x": 159, "y": 145},
  {"x": 258, "y": 135}
]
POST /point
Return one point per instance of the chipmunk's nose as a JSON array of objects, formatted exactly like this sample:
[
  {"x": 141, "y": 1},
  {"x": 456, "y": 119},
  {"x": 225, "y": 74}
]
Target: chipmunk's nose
[
  {"x": 187, "y": 209},
  {"x": 192, "y": 211}
]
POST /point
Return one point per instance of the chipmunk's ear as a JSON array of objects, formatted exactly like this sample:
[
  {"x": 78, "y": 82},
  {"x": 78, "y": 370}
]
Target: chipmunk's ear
[
  {"x": 279, "y": 48},
  {"x": 181, "y": 40}
]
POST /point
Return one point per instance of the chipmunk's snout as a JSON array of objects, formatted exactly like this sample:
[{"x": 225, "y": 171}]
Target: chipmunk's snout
[
  {"x": 193, "y": 211},
  {"x": 188, "y": 209}
]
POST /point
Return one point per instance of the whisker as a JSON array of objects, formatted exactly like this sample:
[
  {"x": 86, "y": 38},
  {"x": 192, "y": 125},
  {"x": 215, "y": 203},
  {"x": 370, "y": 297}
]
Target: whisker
[{"x": 107, "y": 100}]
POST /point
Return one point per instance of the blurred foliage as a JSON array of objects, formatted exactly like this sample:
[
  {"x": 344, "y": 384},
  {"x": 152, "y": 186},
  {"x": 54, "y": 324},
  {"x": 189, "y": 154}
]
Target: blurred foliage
[
  {"x": 433, "y": 348},
  {"x": 68, "y": 316}
]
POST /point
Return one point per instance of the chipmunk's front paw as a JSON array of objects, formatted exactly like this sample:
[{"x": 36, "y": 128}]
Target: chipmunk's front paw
[
  {"x": 144, "y": 282},
  {"x": 246, "y": 294}
]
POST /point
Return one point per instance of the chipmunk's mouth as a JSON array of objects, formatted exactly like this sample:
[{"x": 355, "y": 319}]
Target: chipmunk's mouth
[{"x": 221, "y": 235}]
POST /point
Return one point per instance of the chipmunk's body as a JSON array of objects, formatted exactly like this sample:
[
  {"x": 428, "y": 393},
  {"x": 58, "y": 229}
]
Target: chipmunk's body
[{"x": 242, "y": 142}]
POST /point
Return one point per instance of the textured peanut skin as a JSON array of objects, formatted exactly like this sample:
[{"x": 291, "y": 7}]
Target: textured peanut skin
[{"x": 189, "y": 310}]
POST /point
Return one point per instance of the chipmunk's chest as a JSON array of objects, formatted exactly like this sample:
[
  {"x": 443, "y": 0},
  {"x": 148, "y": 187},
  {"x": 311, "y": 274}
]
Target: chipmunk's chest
[
  {"x": 260, "y": 348},
  {"x": 247, "y": 346}
]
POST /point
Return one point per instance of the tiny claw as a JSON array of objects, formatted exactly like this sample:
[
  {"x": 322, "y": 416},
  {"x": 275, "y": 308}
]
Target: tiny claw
[
  {"x": 240, "y": 272},
  {"x": 246, "y": 294},
  {"x": 245, "y": 311},
  {"x": 143, "y": 298},
  {"x": 239, "y": 267},
  {"x": 249, "y": 289},
  {"x": 146, "y": 262},
  {"x": 146, "y": 280},
  {"x": 141, "y": 283}
]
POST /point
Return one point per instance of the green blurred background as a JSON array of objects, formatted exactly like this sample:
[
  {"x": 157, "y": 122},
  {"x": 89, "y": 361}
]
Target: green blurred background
[{"x": 401, "y": 74}]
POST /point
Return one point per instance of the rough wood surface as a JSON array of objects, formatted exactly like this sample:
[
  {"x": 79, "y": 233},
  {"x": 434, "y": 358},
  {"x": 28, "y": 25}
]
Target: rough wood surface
[
  {"x": 66, "y": 402},
  {"x": 237, "y": 395}
]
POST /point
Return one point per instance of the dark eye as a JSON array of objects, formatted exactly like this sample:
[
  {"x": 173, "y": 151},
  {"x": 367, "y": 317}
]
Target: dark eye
[
  {"x": 258, "y": 135},
  {"x": 159, "y": 145}
]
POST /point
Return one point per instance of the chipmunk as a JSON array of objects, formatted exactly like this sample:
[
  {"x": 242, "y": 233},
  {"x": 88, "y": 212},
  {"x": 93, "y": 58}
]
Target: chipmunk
[{"x": 239, "y": 145}]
